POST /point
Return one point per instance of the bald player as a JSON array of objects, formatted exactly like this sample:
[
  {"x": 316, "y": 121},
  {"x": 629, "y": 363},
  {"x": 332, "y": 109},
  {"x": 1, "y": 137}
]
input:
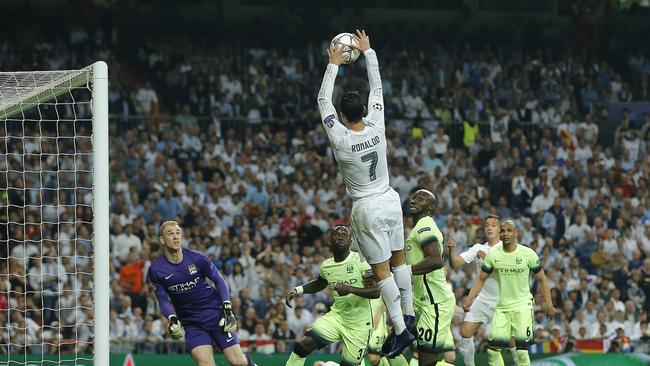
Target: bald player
[{"x": 483, "y": 308}]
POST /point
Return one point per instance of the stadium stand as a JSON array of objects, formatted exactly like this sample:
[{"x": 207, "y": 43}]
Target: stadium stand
[{"x": 227, "y": 141}]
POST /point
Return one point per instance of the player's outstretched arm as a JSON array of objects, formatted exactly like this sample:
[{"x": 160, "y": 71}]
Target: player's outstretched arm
[
  {"x": 478, "y": 286},
  {"x": 432, "y": 260},
  {"x": 316, "y": 285},
  {"x": 546, "y": 292},
  {"x": 376, "y": 96},
  {"x": 325, "y": 105},
  {"x": 455, "y": 261}
]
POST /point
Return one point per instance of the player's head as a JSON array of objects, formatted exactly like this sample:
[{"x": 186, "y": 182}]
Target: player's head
[
  {"x": 170, "y": 235},
  {"x": 422, "y": 202},
  {"x": 340, "y": 239},
  {"x": 352, "y": 107},
  {"x": 508, "y": 232},
  {"x": 491, "y": 226}
]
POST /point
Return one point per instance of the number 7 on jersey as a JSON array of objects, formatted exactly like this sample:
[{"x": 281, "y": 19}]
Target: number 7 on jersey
[{"x": 372, "y": 158}]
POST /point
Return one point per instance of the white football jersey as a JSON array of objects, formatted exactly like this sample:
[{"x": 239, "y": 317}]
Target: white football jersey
[
  {"x": 490, "y": 292},
  {"x": 360, "y": 155}
]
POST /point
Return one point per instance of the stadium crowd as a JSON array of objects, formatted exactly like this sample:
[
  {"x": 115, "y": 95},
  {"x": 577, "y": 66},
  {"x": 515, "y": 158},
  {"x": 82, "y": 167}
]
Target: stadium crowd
[{"x": 244, "y": 165}]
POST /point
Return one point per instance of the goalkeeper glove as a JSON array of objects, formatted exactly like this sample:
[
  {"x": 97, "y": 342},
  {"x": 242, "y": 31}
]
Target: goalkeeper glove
[
  {"x": 228, "y": 321},
  {"x": 175, "y": 328}
]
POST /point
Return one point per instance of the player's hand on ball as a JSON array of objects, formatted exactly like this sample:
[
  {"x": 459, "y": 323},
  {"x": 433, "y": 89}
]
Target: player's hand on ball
[
  {"x": 363, "y": 39},
  {"x": 290, "y": 296},
  {"x": 342, "y": 289},
  {"x": 228, "y": 321},
  {"x": 175, "y": 328},
  {"x": 335, "y": 53}
]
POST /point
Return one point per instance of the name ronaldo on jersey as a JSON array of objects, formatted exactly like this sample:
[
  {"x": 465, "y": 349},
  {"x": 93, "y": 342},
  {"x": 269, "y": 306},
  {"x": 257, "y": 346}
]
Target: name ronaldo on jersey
[{"x": 366, "y": 144}]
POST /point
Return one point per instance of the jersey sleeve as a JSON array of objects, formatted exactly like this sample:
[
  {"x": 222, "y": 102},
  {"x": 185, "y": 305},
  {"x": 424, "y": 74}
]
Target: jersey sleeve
[
  {"x": 165, "y": 303},
  {"x": 427, "y": 232},
  {"x": 376, "y": 96},
  {"x": 331, "y": 123},
  {"x": 469, "y": 255},
  {"x": 534, "y": 262},
  {"x": 488, "y": 262},
  {"x": 321, "y": 273},
  {"x": 209, "y": 270}
]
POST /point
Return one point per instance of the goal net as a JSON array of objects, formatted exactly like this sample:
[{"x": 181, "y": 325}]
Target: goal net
[{"x": 54, "y": 217}]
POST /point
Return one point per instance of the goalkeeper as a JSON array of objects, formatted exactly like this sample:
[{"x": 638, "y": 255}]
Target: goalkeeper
[{"x": 188, "y": 301}]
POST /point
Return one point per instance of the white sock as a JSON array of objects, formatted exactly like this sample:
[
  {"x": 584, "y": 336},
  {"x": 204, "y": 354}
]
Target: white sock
[
  {"x": 391, "y": 296},
  {"x": 403, "y": 280},
  {"x": 515, "y": 358},
  {"x": 467, "y": 350}
]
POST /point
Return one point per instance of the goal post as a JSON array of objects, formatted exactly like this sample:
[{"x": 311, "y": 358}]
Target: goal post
[{"x": 54, "y": 217}]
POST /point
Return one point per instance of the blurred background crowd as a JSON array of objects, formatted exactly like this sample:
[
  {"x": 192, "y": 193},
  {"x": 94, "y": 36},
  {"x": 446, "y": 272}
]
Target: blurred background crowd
[{"x": 226, "y": 139}]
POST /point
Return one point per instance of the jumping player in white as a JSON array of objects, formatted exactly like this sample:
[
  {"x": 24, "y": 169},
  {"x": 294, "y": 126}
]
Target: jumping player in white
[
  {"x": 483, "y": 308},
  {"x": 359, "y": 144}
]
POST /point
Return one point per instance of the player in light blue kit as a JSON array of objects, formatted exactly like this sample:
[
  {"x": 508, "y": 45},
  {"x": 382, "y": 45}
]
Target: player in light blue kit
[{"x": 179, "y": 280}]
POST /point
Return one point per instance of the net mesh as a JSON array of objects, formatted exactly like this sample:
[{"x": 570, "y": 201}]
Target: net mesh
[{"x": 46, "y": 247}]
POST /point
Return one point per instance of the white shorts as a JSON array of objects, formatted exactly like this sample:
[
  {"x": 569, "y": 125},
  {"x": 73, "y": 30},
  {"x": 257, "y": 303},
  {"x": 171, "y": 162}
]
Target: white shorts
[
  {"x": 377, "y": 226},
  {"x": 481, "y": 311}
]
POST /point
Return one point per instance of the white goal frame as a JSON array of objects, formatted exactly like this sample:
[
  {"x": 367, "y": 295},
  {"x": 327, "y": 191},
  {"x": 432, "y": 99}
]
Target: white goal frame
[{"x": 12, "y": 104}]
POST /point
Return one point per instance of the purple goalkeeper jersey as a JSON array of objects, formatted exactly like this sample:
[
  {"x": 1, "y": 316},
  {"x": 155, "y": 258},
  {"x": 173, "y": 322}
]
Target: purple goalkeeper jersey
[{"x": 182, "y": 288}]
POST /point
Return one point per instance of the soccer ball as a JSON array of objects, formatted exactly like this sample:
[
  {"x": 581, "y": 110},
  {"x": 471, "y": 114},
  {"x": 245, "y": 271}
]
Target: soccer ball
[{"x": 350, "y": 54}]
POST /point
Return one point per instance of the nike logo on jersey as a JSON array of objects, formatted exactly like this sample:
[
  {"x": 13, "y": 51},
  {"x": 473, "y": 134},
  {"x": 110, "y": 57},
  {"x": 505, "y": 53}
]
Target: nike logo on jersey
[
  {"x": 229, "y": 337},
  {"x": 168, "y": 277}
]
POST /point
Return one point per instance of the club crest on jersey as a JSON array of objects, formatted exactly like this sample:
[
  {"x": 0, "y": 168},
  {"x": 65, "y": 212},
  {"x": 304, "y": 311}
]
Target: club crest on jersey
[
  {"x": 192, "y": 268},
  {"x": 350, "y": 268},
  {"x": 519, "y": 260}
]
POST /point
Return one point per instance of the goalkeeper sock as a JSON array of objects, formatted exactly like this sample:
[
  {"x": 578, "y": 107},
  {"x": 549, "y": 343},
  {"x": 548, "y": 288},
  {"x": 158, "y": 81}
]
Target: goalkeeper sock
[
  {"x": 403, "y": 279},
  {"x": 295, "y": 360},
  {"x": 515, "y": 357},
  {"x": 467, "y": 350},
  {"x": 391, "y": 296},
  {"x": 397, "y": 361},
  {"x": 523, "y": 357},
  {"x": 494, "y": 358}
]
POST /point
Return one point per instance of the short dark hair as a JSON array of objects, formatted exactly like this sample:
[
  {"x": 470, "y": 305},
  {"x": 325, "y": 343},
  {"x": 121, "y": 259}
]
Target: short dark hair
[{"x": 352, "y": 106}]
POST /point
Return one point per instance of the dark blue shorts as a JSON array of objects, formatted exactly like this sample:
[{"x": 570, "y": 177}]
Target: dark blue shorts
[{"x": 210, "y": 334}]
